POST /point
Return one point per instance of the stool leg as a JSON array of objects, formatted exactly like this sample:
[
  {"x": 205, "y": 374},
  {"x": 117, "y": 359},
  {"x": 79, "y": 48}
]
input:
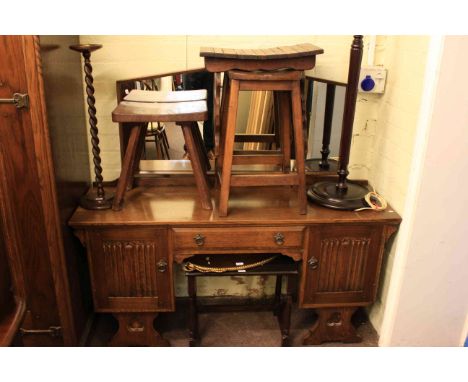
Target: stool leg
[
  {"x": 228, "y": 150},
  {"x": 198, "y": 171},
  {"x": 285, "y": 122},
  {"x": 165, "y": 143},
  {"x": 158, "y": 147},
  {"x": 136, "y": 159},
  {"x": 127, "y": 167},
  {"x": 304, "y": 118},
  {"x": 202, "y": 153},
  {"x": 299, "y": 146},
  {"x": 277, "y": 125},
  {"x": 193, "y": 313},
  {"x": 222, "y": 128}
]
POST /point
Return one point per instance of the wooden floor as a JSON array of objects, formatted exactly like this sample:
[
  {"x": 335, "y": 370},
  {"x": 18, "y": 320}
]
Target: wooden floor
[{"x": 229, "y": 329}]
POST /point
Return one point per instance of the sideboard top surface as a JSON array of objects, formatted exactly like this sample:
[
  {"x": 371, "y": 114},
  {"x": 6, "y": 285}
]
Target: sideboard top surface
[{"x": 170, "y": 205}]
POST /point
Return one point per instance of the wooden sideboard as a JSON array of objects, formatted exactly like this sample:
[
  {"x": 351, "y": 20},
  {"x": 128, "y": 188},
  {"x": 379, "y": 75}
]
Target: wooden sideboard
[{"x": 132, "y": 253}]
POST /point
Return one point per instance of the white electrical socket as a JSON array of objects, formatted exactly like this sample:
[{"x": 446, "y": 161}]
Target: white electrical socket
[{"x": 372, "y": 79}]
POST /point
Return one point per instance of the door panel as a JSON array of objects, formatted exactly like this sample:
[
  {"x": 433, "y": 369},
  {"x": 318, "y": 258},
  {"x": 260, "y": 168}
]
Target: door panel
[
  {"x": 6, "y": 293},
  {"x": 131, "y": 270},
  {"x": 29, "y": 196},
  {"x": 341, "y": 266}
]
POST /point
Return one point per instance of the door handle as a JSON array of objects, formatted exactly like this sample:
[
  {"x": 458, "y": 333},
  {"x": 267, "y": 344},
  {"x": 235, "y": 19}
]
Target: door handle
[
  {"x": 19, "y": 100},
  {"x": 313, "y": 262}
]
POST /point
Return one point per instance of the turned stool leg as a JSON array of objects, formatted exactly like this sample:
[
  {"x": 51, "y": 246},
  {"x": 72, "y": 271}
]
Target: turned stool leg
[
  {"x": 299, "y": 146},
  {"x": 197, "y": 167},
  {"x": 228, "y": 149},
  {"x": 136, "y": 329},
  {"x": 194, "y": 336},
  {"x": 127, "y": 167}
]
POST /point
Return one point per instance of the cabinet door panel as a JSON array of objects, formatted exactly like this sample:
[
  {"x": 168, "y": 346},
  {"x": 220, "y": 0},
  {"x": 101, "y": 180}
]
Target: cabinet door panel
[
  {"x": 131, "y": 270},
  {"x": 341, "y": 265}
]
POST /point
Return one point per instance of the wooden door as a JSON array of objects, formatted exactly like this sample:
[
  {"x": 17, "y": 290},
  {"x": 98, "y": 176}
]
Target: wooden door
[
  {"x": 30, "y": 217},
  {"x": 12, "y": 294},
  {"x": 131, "y": 270},
  {"x": 342, "y": 265}
]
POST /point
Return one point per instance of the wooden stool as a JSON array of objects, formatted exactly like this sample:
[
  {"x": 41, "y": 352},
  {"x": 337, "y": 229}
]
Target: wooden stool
[
  {"x": 281, "y": 306},
  {"x": 184, "y": 108},
  {"x": 276, "y": 69},
  {"x": 287, "y": 84}
]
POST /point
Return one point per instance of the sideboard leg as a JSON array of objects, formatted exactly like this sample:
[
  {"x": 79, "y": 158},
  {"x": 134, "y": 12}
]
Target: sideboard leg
[
  {"x": 333, "y": 325},
  {"x": 194, "y": 337},
  {"x": 136, "y": 329},
  {"x": 285, "y": 320}
]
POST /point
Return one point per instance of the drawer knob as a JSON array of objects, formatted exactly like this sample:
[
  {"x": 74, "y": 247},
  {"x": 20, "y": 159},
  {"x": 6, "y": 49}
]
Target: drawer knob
[
  {"x": 162, "y": 266},
  {"x": 199, "y": 239},
  {"x": 313, "y": 262},
  {"x": 279, "y": 238}
]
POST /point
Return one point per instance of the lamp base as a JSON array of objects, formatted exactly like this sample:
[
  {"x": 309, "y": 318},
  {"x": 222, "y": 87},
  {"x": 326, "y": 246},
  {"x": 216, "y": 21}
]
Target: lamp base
[
  {"x": 313, "y": 165},
  {"x": 91, "y": 201},
  {"x": 326, "y": 194}
]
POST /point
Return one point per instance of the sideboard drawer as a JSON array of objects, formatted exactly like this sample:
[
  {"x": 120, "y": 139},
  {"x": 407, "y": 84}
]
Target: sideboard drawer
[{"x": 252, "y": 238}]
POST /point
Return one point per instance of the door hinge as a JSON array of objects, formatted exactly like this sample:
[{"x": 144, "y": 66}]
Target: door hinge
[
  {"x": 53, "y": 331},
  {"x": 19, "y": 100}
]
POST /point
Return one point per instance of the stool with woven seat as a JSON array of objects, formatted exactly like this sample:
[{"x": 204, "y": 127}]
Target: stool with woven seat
[
  {"x": 184, "y": 108},
  {"x": 276, "y": 69}
]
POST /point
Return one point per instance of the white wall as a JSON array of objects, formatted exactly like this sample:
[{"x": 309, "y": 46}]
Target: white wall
[
  {"x": 390, "y": 122},
  {"x": 427, "y": 303}
]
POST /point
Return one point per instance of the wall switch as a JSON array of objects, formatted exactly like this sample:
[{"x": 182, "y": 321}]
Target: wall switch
[{"x": 372, "y": 79}]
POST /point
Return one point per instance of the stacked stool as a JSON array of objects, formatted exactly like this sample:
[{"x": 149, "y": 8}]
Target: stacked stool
[
  {"x": 184, "y": 108},
  {"x": 280, "y": 70}
]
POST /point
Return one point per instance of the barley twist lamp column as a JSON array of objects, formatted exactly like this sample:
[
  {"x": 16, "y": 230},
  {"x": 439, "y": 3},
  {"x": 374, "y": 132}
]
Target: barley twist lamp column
[
  {"x": 344, "y": 195},
  {"x": 96, "y": 199}
]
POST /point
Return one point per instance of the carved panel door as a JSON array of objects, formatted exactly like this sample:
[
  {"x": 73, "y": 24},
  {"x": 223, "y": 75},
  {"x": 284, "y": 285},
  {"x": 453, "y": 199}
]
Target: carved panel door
[
  {"x": 342, "y": 265},
  {"x": 131, "y": 270}
]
